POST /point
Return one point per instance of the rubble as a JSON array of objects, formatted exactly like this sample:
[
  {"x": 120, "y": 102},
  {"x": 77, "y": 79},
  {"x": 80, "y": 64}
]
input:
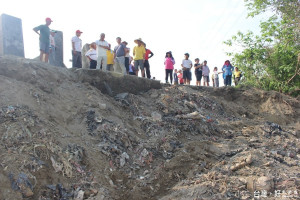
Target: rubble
[{"x": 62, "y": 138}]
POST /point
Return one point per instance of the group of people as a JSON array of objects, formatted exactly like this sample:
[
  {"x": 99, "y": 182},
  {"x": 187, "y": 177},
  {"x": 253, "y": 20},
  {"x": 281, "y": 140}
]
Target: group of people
[
  {"x": 101, "y": 56},
  {"x": 184, "y": 75}
]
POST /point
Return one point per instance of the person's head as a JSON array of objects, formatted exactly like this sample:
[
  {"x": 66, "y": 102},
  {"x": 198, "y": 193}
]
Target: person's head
[
  {"x": 227, "y": 62},
  {"x": 215, "y": 69},
  {"x": 52, "y": 32},
  {"x": 93, "y": 45},
  {"x": 144, "y": 44},
  {"x": 180, "y": 71},
  {"x": 175, "y": 70},
  {"x": 48, "y": 21},
  {"x": 102, "y": 36},
  {"x": 205, "y": 62},
  {"x": 78, "y": 33},
  {"x": 118, "y": 39},
  {"x": 186, "y": 56},
  {"x": 197, "y": 60},
  {"x": 125, "y": 43},
  {"x": 169, "y": 54},
  {"x": 237, "y": 69},
  {"x": 139, "y": 42}
]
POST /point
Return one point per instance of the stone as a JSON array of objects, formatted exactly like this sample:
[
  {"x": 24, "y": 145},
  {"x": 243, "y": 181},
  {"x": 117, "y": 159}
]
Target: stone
[
  {"x": 11, "y": 36},
  {"x": 85, "y": 60},
  {"x": 59, "y": 51}
]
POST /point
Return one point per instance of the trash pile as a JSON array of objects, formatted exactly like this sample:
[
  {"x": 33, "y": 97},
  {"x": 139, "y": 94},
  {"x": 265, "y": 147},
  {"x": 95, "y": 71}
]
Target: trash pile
[{"x": 64, "y": 139}]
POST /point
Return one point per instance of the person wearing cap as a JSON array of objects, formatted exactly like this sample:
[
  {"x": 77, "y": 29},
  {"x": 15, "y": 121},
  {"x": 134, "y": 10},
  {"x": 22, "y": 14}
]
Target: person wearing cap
[
  {"x": 120, "y": 51},
  {"x": 52, "y": 47},
  {"x": 146, "y": 64},
  {"x": 102, "y": 47},
  {"x": 76, "y": 50},
  {"x": 44, "y": 33},
  {"x": 186, "y": 66}
]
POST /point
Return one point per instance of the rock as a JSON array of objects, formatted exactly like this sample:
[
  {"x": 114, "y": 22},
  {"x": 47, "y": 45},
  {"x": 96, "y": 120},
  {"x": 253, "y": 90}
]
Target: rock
[
  {"x": 123, "y": 158},
  {"x": 102, "y": 106},
  {"x": 79, "y": 195},
  {"x": 260, "y": 183},
  {"x": 156, "y": 116},
  {"x": 242, "y": 163}
]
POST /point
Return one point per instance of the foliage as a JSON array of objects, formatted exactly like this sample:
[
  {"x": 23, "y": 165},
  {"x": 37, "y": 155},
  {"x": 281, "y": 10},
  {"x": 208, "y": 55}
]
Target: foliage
[{"x": 271, "y": 60}]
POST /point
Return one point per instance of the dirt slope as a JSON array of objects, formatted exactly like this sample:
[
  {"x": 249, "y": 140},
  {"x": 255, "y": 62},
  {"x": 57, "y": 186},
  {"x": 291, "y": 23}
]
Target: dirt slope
[{"x": 62, "y": 138}]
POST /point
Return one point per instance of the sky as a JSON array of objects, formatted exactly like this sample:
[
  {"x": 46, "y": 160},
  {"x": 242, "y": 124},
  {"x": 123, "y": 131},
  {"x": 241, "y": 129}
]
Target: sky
[{"x": 197, "y": 27}]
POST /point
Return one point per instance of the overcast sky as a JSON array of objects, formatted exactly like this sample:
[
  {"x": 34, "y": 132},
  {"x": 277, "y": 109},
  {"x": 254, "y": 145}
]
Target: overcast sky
[{"x": 198, "y": 27}]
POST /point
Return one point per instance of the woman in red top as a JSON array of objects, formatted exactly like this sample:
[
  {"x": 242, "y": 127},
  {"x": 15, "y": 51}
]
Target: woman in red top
[
  {"x": 180, "y": 77},
  {"x": 148, "y": 55}
]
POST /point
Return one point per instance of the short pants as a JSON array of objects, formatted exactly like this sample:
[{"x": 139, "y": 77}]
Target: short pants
[
  {"x": 138, "y": 63},
  {"x": 45, "y": 47},
  {"x": 187, "y": 74}
]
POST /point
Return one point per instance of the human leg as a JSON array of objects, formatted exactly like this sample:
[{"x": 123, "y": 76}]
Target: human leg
[{"x": 99, "y": 61}]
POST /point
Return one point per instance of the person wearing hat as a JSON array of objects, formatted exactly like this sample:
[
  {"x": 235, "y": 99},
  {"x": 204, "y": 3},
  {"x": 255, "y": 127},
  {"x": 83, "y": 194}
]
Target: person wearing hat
[
  {"x": 44, "y": 33},
  {"x": 186, "y": 67},
  {"x": 139, "y": 52},
  {"x": 52, "y": 47},
  {"x": 102, "y": 47},
  {"x": 76, "y": 50}
]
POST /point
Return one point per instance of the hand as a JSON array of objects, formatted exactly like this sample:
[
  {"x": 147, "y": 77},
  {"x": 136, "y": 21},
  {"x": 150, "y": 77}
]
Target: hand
[{"x": 74, "y": 52}]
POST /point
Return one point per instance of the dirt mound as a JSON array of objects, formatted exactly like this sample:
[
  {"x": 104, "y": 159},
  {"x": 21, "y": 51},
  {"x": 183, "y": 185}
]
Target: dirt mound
[{"x": 63, "y": 135}]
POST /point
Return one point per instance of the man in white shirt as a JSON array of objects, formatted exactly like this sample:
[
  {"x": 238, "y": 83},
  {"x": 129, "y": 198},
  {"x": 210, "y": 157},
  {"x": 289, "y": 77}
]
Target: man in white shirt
[
  {"x": 76, "y": 50},
  {"x": 102, "y": 47}
]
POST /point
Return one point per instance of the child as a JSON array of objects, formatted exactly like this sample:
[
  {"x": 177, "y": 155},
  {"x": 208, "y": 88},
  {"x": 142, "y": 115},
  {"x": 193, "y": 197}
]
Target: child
[
  {"x": 216, "y": 77},
  {"x": 205, "y": 73},
  {"x": 131, "y": 67},
  {"x": 169, "y": 66},
  {"x": 237, "y": 76},
  {"x": 175, "y": 77},
  {"x": 110, "y": 59},
  {"x": 92, "y": 56},
  {"x": 180, "y": 77},
  {"x": 186, "y": 67},
  {"x": 198, "y": 72}
]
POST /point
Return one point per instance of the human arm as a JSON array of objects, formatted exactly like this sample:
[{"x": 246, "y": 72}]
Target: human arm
[
  {"x": 73, "y": 47},
  {"x": 36, "y": 29},
  {"x": 151, "y": 54}
]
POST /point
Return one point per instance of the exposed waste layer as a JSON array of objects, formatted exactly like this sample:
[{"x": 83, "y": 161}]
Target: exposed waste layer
[{"x": 62, "y": 138}]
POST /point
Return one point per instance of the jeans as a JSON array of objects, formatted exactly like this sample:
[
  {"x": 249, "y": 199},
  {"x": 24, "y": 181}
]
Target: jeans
[
  {"x": 52, "y": 56},
  {"x": 102, "y": 60},
  {"x": 228, "y": 80},
  {"x": 93, "y": 64},
  {"x": 127, "y": 63},
  {"x": 120, "y": 65},
  {"x": 147, "y": 66},
  {"x": 169, "y": 72},
  {"x": 76, "y": 60}
]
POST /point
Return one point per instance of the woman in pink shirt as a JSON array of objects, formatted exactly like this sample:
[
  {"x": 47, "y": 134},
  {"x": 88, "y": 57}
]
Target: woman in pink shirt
[{"x": 169, "y": 66}]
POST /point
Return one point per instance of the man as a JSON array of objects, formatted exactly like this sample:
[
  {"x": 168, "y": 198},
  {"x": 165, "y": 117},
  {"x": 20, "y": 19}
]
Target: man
[
  {"x": 139, "y": 57},
  {"x": 127, "y": 56},
  {"x": 120, "y": 51},
  {"x": 146, "y": 64},
  {"x": 76, "y": 50},
  {"x": 102, "y": 47},
  {"x": 44, "y": 39},
  {"x": 52, "y": 48}
]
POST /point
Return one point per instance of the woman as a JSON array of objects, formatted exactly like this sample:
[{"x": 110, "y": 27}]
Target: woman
[
  {"x": 227, "y": 69},
  {"x": 169, "y": 66}
]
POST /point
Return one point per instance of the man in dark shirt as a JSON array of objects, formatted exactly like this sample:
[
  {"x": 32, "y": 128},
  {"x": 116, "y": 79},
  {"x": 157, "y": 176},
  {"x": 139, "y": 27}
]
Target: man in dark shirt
[
  {"x": 44, "y": 39},
  {"x": 146, "y": 64}
]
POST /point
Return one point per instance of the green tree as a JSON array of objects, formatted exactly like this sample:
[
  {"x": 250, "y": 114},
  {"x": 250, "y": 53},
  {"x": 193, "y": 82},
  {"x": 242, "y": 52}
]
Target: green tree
[{"x": 271, "y": 59}]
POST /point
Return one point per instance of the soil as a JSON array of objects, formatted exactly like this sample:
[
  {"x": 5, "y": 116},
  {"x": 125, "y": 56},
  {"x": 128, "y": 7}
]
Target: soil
[{"x": 65, "y": 135}]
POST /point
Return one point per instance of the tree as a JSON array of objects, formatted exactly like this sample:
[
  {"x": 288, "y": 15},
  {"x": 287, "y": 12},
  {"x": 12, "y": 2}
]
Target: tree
[{"x": 271, "y": 60}]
